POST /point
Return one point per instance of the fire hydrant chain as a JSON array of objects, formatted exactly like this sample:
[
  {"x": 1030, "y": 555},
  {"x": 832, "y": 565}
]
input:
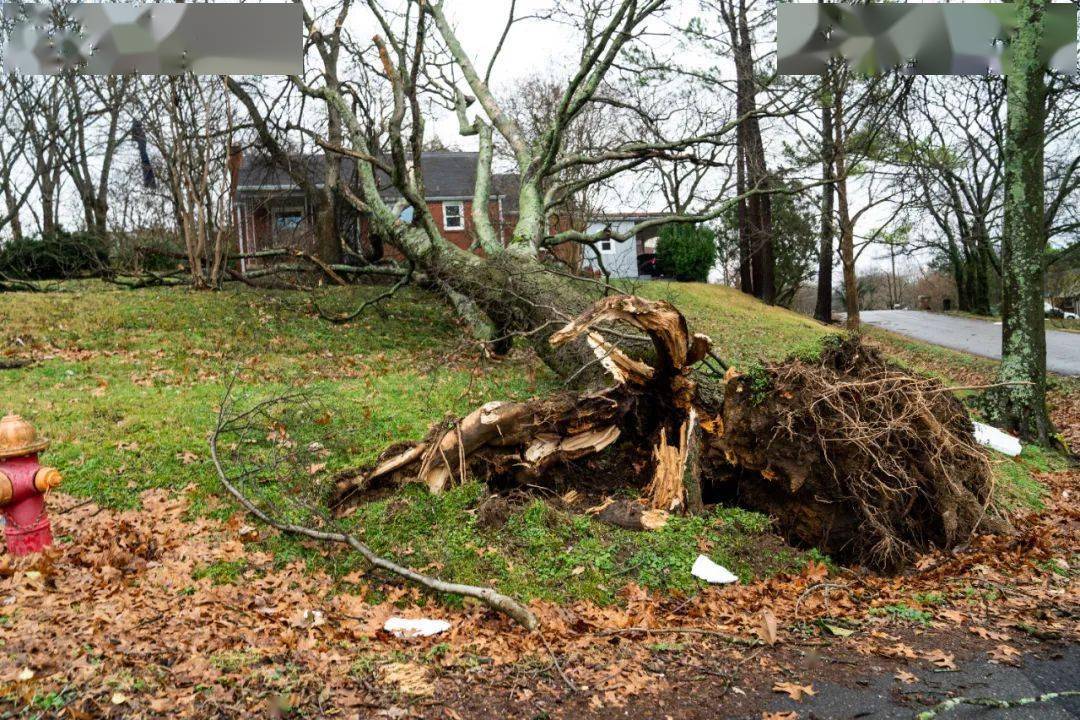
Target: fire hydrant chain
[{"x": 24, "y": 483}]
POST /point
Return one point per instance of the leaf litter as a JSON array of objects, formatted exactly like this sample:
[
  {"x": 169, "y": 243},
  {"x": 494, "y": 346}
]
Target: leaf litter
[{"x": 123, "y": 612}]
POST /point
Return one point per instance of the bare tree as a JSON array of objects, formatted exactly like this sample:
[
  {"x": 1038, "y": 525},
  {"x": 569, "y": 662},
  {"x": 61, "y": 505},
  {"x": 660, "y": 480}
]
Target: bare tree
[
  {"x": 94, "y": 107},
  {"x": 40, "y": 106},
  {"x": 188, "y": 120},
  {"x": 14, "y": 142}
]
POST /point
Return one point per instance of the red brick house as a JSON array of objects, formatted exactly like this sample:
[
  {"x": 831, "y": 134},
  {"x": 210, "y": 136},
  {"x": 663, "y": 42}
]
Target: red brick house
[{"x": 272, "y": 211}]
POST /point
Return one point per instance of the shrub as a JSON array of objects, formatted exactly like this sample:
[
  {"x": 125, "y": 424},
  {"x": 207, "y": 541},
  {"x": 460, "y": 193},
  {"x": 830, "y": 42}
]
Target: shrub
[
  {"x": 56, "y": 256},
  {"x": 686, "y": 252}
]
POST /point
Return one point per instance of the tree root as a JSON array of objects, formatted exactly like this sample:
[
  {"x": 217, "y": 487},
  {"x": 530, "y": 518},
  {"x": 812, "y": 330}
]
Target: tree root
[
  {"x": 847, "y": 452},
  {"x": 857, "y": 456}
]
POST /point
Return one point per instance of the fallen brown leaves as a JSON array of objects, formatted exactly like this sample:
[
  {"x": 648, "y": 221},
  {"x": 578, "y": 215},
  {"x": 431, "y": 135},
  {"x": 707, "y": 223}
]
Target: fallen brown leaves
[
  {"x": 115, "y": 612},
  {"x": 794, "y": 690}
]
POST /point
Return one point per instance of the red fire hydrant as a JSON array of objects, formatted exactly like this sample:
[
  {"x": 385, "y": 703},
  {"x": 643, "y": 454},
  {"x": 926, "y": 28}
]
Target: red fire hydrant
[{"x": 23, "y": 485}]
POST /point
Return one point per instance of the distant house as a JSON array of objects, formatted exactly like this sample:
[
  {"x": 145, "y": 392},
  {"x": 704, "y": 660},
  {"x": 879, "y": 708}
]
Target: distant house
[
  {"x": 631, "y": 258},
  {"x": 272, "y": 211}
]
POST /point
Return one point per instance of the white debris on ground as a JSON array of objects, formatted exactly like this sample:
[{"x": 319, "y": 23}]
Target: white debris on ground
[
  {"x": 995, "y": 439},
  {"x": 709, "y": 571},
  {"x": 413, "y": 628}
]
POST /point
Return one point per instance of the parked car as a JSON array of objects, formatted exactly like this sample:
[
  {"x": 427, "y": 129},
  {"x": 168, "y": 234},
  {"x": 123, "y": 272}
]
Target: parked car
[
  {"x": 1053, "y": 313},
  {"x": 1070, "y": 316}
]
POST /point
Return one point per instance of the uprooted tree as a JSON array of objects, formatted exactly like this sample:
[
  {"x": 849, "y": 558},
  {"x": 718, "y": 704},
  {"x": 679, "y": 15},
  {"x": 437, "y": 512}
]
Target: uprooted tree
[
  {"x": 509, "y": 291},
  {"x": 850, "y": 454}
]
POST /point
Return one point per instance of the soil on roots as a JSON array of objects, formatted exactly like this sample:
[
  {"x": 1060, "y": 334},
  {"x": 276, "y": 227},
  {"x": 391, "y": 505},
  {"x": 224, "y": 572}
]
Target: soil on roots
[{"x": 853, "y": 455}]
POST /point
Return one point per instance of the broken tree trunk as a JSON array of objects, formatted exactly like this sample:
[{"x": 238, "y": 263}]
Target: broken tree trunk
[{"x": 848, "y": 453}]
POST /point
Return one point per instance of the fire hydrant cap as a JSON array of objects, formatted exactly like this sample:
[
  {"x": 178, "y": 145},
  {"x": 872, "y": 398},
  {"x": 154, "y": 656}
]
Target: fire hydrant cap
[
  {"x": 46, "y": 479},
  {"x": 18, "y": 437}
]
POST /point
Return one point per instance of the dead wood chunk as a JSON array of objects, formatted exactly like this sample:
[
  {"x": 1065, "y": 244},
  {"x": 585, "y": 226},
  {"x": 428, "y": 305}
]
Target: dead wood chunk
[
  {"x": 659, "y": 319},
  {"x": 676, "y": 479},
  {"x": 624, "y": 513}
]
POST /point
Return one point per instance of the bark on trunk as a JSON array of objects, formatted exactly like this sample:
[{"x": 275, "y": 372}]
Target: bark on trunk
[
  {"x": 1022, "y": 406},
  {"x": 823, "y": 308},
  {"x": 847, "y": 229}
]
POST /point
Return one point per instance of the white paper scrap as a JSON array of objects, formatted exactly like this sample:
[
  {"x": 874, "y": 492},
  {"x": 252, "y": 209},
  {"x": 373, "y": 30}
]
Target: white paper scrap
[
  {"x": 411, "y": 628},
  {"x": 996, "y": 439},
  {"x": 709, "y": 571}
]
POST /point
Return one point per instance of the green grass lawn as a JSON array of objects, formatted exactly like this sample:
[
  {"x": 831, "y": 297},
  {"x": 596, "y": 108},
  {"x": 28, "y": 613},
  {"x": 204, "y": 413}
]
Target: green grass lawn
[
  {"x": 743, "y": 330},
  {"x": 127, "y": 384}
]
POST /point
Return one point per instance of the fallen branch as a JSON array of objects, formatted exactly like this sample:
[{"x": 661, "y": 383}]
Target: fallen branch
[
  {"x": 489, "y": 597},
  {"x": 341, "y": 318},
  {"x": 953, "y": 703},
  {"x": 727, "y": 637},
  {"x": 555, "y": 662},
  {"x": 825, "y": 587}
]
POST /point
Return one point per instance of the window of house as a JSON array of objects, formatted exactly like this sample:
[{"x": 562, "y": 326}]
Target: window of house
[
  {"x": 605, "y": 246},
  {"x": 288, "y": 220},
  {"x": 453, "y": 215}
]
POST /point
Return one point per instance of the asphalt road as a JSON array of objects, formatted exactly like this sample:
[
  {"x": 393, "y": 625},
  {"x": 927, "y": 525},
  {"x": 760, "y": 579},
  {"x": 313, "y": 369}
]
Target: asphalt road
[
  {"x": 974, "y": 336},
  {"x": 876, "y": 697}
]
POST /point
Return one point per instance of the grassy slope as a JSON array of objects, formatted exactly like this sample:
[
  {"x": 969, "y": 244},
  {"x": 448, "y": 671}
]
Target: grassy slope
[
  {"x": 743, "y": 330},
  {"x": 128, "y": 384},
  {"x": 131, "y": 381}
]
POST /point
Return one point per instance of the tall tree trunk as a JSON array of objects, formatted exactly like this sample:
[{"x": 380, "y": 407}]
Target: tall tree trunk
[
  {"x": 956, "y": 266},
  {"x": 980, "y": 299},
  {"x": 967, "y": 299},
  {"x": 847, "y": 227},
  {"x": 746, "y": 278},
  {"x": 823, "y": 308},
  {"x": 15, "y": 224},
  {"x": 754, "y": 214},
  {"x": 1022, "y": 406},
  {"x": 48, "y": 204},
  {"x": 327, "y": 240},
  {"x": 759, "y": 207}
]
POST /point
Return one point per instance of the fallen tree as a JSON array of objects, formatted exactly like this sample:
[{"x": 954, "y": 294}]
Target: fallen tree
[{"x": 850, "y": 454}]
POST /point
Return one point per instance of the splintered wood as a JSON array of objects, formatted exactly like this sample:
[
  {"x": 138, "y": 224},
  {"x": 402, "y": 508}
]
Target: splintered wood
[{"x": 523, "y": 440}]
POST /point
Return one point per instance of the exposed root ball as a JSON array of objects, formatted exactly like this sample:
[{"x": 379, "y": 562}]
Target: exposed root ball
[{"x": 856, "y": 456}]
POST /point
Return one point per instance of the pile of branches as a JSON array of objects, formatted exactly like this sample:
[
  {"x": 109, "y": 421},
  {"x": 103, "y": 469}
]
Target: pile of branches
[{"x": 858, "y": 456}]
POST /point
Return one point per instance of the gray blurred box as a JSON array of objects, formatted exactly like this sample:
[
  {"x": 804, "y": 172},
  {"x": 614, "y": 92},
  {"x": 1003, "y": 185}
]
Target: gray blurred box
[
  {"x": 156, "y": 39},
  {"x": 916, "y": 39}
]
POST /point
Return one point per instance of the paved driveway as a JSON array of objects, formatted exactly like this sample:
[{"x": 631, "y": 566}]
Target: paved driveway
[{"x": 974, "y": 336}]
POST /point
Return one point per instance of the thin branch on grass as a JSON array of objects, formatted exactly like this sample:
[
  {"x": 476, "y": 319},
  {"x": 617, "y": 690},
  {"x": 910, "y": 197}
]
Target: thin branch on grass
[
  {"x": 341, "y": 318},
  {"x": 726, "y": 637},
  {"x": 555, "y": 662},
  {"x": 489, "y": 597}
]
